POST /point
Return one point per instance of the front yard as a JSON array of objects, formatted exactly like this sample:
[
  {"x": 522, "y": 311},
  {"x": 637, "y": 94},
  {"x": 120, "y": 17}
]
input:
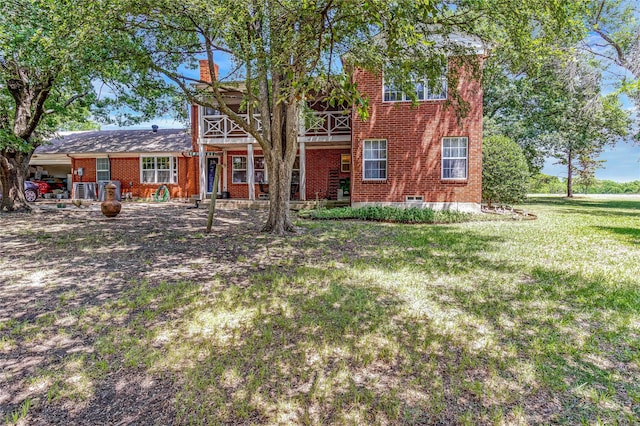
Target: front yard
[{"x": 145, "y": 319}]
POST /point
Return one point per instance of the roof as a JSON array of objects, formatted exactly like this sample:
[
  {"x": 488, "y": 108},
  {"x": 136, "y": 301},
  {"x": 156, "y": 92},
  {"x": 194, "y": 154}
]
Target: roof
[{"x": 112, "y": 141}]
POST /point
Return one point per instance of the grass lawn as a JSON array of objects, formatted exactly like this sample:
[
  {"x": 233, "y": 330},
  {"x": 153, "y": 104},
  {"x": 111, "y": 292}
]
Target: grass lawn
[{"x": 484, "y": 322}]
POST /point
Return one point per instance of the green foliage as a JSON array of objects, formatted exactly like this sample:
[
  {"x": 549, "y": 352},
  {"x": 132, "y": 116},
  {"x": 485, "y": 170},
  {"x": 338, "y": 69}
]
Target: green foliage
[
  {"x": 615, "y": 27},
  {"x": 59, "y": 60},
  {"x": 392, "y": 214},
  {"x": 55, "y": 58},
  {"x": 556, "y": 109},
  {"x": 505, "y": 173},
  {"x": 545, "y": 184}
]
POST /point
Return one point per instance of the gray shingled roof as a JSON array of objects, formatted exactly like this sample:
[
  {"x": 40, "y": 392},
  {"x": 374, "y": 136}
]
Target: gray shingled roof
[{"x": 111, "y": 141}]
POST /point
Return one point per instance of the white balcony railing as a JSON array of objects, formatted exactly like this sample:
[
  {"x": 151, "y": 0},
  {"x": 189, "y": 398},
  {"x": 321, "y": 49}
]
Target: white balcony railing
[
  {"x": 221, "y": 126},
  {"x": 323, "y": 124}
]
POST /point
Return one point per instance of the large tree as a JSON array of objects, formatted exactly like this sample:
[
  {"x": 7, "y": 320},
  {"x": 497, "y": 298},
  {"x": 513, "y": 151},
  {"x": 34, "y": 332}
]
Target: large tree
[
  {"x": 615, "y": 38},
  {"x": 575, "y": 119},
  {"x": 53, "y": 54},
  {"x": 554, "y": 107},
  {"x": 288, "y": 51}
]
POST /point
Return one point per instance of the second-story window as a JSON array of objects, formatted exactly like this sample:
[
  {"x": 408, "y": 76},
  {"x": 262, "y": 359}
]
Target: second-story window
[
  {"x": 423, "y": 90},
  {"x": 210, "y": 111},
  {"x": 239, "y": 169}
]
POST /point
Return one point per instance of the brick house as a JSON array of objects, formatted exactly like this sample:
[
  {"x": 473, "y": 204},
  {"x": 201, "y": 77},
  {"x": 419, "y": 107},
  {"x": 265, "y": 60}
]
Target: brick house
[
  {"x": 138, "y": 161},
  {"x": 403, "y": 155}
]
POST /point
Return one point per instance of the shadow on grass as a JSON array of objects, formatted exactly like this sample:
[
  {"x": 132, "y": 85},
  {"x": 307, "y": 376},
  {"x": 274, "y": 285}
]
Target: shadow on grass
[
  {"x": 587, "y": 202},
  {"x": 348, "y": 323},
  {"x": 590, "y": 206},
  {"x": 627, "y": 235}
]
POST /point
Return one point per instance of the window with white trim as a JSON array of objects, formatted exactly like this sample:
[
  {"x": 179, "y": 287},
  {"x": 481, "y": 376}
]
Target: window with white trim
[
  {"x": 103, "y": 169},
  {"x": 374, "y": 159},
  {"x": 260, "y": 174},
  {"x": 159, "y": 169},
  {"x": 424, "y": 91},
  {"x": 239, "y": 169},
  {"x": 455, "y": 157}
]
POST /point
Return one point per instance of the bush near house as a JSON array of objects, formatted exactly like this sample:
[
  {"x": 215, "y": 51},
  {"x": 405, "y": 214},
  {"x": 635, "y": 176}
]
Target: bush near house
[
  {"x": 392, "y": 214},
  {"x": 505, "y": 173}
]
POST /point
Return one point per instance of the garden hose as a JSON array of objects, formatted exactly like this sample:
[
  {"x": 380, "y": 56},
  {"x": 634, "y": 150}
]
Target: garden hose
[{"x": 165, "y": 193}]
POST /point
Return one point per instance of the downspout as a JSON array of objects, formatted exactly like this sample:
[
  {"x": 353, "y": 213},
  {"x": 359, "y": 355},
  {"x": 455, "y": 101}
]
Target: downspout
[{"x": 72, "y": 174}]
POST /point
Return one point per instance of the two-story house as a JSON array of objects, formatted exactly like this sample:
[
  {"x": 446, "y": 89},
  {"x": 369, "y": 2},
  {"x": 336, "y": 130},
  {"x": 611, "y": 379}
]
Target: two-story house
[
  {"x": 419, "y": 155},
  {"x": 423, "y": 155}
]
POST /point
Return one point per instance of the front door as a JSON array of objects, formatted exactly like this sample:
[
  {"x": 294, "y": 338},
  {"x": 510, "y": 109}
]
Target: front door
[{"x": 212, "y": 163}]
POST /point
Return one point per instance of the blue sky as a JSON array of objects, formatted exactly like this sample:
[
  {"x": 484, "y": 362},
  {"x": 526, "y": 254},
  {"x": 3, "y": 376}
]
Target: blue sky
[{"x": 622, "y": 164}]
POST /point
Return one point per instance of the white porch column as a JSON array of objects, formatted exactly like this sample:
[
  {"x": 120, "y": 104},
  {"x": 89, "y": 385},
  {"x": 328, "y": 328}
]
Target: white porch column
[
  {"x": 200, "y": 122},
  {"x": 203, "y": 171},
  {"x": 252, "y": 189},
  {"x": 225, "y": 183},
  {"x": 303, "y": 172}
]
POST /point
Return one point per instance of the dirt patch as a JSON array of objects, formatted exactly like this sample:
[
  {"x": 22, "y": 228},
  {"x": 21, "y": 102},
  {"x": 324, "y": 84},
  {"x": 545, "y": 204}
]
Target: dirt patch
[{"x": 56, "y": 263}]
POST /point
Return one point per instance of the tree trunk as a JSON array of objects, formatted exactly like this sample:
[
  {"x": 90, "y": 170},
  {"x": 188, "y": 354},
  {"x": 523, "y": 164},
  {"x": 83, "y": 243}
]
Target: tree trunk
[
  {"x": 280, "y": 158},
  {"x": 570, "y": 174},
  {"x": 279, "y": 221},
  {"x": 13, "y": 169},
  {"x": 29, "y": 100}
]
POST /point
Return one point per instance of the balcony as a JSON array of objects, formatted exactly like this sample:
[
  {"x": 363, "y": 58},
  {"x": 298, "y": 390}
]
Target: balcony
[{"x": 324, "y": 126}]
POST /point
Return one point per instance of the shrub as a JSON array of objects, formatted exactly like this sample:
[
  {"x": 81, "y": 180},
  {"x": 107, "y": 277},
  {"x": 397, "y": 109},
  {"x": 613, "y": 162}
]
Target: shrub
[
  {"x": 505, "y": 172},
  {"x": 392, "y": 214}
]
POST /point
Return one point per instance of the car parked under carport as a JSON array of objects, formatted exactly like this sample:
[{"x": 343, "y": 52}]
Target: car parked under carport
[{"x": 31, "y": 191}]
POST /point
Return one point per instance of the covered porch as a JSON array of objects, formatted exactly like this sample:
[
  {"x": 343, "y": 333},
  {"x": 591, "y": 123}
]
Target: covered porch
[{"x": 296, "y": 205}]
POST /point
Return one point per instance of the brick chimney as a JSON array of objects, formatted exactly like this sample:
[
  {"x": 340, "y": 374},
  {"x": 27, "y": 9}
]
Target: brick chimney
[{"x": 204, "y": 70}]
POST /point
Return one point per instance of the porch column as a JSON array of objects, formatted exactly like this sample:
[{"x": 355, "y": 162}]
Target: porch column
[
  {"x": 223, "y": 160},
  {"x": 303, "y": 173},
  {"x": 250, "y": 183},
  {"x": 203, "y": 171}
]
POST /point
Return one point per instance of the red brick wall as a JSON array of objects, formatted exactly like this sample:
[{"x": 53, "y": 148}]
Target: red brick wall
[
  {"x": 127, "y": 170},
  {"x": 205, "y": 75},
  {"x": 238, "y": 190},
  {"x": 89, "y": 166},
  {"x": 319, "y": 162},
  {"x": 414, "y": 145},
  {"x": 194, "y": 127}
]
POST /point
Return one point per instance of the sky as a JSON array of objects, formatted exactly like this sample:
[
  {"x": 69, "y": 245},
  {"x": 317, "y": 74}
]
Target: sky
[{"x": 622, "y": 164}]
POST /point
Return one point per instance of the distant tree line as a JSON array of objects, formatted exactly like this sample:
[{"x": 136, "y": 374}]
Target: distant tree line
[{"x": 545, "y": 184}]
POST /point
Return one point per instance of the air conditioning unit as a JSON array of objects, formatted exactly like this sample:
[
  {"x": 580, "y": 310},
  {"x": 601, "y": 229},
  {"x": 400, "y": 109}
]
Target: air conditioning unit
[
  {"x": 102, "y": 192},
  {"x": 84, "y": 190}
]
